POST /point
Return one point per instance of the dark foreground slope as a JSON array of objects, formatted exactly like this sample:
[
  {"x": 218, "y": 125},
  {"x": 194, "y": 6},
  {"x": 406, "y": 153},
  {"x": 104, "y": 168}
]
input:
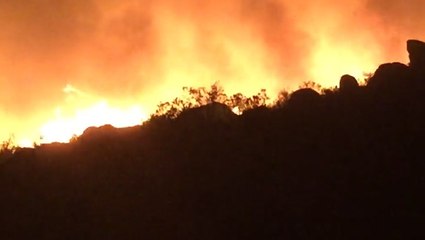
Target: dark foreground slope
[{"x": 344, "y": 165}]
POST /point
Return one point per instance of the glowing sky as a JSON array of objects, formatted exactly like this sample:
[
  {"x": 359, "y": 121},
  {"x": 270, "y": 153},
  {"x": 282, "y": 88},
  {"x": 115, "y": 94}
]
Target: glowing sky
[{"x": 139, "y": 52}]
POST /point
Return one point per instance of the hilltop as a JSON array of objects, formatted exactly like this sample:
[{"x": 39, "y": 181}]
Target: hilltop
[{"x": 344, "y": 164}]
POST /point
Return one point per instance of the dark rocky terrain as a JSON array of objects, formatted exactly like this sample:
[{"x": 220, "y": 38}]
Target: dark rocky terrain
[{"x": 346, "y": 164}]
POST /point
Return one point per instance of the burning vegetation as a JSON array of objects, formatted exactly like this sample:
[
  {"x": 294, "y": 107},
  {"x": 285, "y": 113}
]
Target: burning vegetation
[
  {"x": 342, "y": 164},
  {"x": 125, "y": 56}
]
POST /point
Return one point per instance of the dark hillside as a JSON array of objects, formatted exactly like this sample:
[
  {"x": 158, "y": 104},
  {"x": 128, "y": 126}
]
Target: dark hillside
[{"x": 346, "y": 164}]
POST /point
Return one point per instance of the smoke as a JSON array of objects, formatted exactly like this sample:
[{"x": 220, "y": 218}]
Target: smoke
[
  {"x": 396, "y": 22},
  {"x": 145, "y": 50}
]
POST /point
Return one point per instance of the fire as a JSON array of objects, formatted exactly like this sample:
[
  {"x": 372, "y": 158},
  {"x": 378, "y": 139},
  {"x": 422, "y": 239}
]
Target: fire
[
  {"x": 80, "y": 111},
  {"x": 332, "y": 60},
  {"x": 125, "y": 57},
  {"x": 63, "y": 128},
  {"x": 83, "y": 111}
]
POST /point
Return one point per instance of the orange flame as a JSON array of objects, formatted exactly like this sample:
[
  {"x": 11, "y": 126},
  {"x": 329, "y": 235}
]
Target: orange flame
[
  {"x": 63, "y": 128},
  {"x": 82, "y": 110},
  {"x": 130, "y": 55},
  {"x": 88, "y": 112}
]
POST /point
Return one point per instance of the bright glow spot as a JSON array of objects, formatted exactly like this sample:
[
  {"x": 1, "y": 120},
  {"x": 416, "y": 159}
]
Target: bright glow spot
[
  {"x": 26, "y": 143},
  {"x": 65, "y": 126},
  {"x": 331, "y": 61},
  {"x": 236, "y": 111}
]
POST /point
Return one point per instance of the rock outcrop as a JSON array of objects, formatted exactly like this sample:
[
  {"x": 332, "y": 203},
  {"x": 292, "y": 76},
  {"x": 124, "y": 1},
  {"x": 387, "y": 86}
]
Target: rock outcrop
[
  {"x": 390, "y": 78},
  {"x": 416, "y": 51},
  {"x": 348, "y": 84},
  {"x": 212, "y": 112},
  {"x": 95, "y": 134},
  {"x": 305, "y": 97}
]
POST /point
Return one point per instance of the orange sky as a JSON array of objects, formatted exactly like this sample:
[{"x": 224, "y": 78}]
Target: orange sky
[{"x": 139, "y": 52}]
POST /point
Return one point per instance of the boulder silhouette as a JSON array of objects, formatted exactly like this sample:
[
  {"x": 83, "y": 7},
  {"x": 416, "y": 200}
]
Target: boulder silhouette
[
  {"x": 304, "y": 98},
  {"x": 102, "y": 133},
  {"x": 416, "y": 51},
  {"x": 257, "y": 114},
  {"x": 390, "y": 78},
  {"x": 212, "y": 112},
  {"x": 348, "y": 84}
]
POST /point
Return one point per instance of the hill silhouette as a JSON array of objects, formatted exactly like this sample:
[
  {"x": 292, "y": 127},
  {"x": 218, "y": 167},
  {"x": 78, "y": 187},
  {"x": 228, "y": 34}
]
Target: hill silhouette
[{"x": 345, "y": 164}]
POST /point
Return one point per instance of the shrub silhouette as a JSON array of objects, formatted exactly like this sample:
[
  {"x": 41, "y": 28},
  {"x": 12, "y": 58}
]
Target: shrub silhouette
[
  {"x": 7, "y": 148},
  {"x": 196, "y": 97}
]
